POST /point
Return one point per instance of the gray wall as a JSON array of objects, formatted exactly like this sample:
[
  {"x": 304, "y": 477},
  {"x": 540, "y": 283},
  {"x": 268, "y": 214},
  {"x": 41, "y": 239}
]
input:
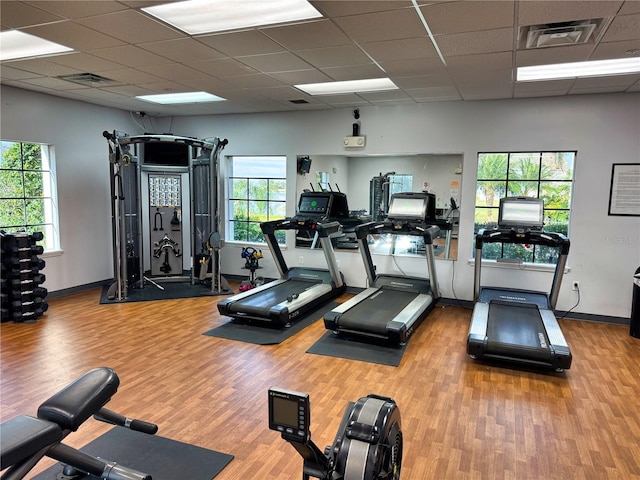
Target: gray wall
[{"x": 604, "y": 129}]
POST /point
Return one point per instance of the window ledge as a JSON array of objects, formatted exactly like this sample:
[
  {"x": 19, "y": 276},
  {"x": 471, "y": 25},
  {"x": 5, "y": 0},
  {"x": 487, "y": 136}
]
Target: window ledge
[
  {"x": 52, "y": 253},
  {"x": 532, "y": 267}
]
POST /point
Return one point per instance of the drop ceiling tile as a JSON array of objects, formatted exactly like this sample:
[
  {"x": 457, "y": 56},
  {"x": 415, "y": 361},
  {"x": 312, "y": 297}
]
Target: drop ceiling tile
[
  {"x": 208, "y": 84},
  {"x": 486, "y": 91},
  {"x": 554, "y": 11},
  {"x": 303, "y": 36},
  {"x": 128, "y": 90},
  {"x": 427, "y": 93},
  {"x": 375, "y": 27},
  {"x": 347, "y": 98},
  {"x": 614, "y": 49},
  {"x": 275, "y": 62},
  {"x": 470, "y": 77},
  {"x": 284, "y": 93},
  {"x": 403, "y": 49},
  {"x": 623, "y": 81},
  {"x": 346, "y": 55},
  {"x": 301, "y": 76},
  {"x": 419, "y": 66},
  {"x": 131, "y": 26},
  {"x": 53, "y": 83},
  {"x": 433, "y": 92},
  {"x": 222, "y": 68},
  {"x": 488, "y": 61},
  {"x": 20, "y": 14},
  {"x": 130, "y": 76},
  {"x": 73, "y": 35},
  {"x": 458, "y": 17},
  {"x": 250, "y": 42},
  {"x": 357, "y": 72},
  {"x": 74, "y": 9},
  {"x": 254, "y": 81},
  {"x": 130, "y": 56},
  {"x": 471, "y": 43},
  {"x": 594, "y": 90},
  {"x": 551, "y": 55},
  {"x": 85, "y": 62},
  {"x": 634, "y": 88},
  {"x": 624, "y": 27},
  {"x": 41, "y": 66},
  {"x": 99, "y": 93},
  {"x": 9, "y": 73},
  {"x": 546, "y": 86},
  {"x": 357, "y": 7},
  {"x": 386, "y": 95},
  {"x": 174, "y": 71},
  {"x": 422, "y": 81},
  {"x": 629, "y": 7},
  {"x": 541, "y": 93},
  {"x": 166, "y": 86},
  {"x": 182, "y": 50}
]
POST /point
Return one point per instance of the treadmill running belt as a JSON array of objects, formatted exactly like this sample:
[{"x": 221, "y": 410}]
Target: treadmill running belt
[
  {"x": 517, "y": 324},
  {"x": 374, "y": 313},
  {"x": 272, "y": 296}
]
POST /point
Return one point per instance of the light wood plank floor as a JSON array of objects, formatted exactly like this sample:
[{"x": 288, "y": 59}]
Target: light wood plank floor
[{"x": 461, "y": 419}]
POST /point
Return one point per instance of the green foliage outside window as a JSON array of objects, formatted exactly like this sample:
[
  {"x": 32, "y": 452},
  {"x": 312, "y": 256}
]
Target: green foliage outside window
[
  {"x": 255, "y": 199},
  {"x": 26, "y": 202},
  {"x": 546, "y": 175}
]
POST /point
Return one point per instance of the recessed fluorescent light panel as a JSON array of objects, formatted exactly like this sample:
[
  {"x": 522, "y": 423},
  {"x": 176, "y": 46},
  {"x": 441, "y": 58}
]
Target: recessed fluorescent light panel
[
  {"x": 208, "y": 16},
  {"x": 596, "y": 68},
  {"x": 185, "y": 97},
  {"x": 349, "y": 86},
  {"x": 16, "y": 44}
]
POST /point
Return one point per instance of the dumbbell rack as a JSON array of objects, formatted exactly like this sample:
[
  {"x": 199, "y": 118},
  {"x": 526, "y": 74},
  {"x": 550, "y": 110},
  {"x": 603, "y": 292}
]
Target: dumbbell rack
[{"x": 22, "y": 297}]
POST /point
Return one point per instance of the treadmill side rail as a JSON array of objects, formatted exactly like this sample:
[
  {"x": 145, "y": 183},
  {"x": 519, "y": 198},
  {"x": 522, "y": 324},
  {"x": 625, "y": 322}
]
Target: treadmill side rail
[{"x": 288, "y": 310}]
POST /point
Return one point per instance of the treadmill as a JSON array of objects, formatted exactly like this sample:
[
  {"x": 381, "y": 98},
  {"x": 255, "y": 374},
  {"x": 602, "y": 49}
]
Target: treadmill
[
  {"x": 299, "y": 290},
  {"x": 393, "y": 305},
  {"x": 519, "y": 325}
]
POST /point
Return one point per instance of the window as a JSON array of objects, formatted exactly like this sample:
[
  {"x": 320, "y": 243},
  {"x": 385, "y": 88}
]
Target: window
[
  {"x": 28, "y": 200},
  {"x": 400, "y": 182},
  {"x": 257, "y": 193},
  {"x": 546, "y": 175}
]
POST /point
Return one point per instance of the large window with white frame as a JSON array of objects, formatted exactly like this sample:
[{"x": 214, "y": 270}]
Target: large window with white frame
[
  {"x": 257, "y": 192},
  {"x": 546, "y": 175},
  {"x": 28, "y": 197}
]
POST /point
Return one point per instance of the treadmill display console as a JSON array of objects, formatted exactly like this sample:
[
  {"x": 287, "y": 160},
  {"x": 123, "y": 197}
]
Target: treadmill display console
[
  {"x": 289, "y": 413},
  {"x": 521, "y": 212},
  {"x": 411, "y": 206},
  {"x": 315, "y": 205}
]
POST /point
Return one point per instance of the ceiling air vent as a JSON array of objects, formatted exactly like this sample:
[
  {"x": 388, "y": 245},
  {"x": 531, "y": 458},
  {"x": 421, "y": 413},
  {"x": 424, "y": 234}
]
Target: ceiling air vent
[
  {"x": 88, "y": 79},
  {"x": 299, "y": 101},
  {"x": 559, "y": 34}
]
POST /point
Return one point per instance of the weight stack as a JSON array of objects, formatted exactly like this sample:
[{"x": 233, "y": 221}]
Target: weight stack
[{"x": 22, "y": 297}]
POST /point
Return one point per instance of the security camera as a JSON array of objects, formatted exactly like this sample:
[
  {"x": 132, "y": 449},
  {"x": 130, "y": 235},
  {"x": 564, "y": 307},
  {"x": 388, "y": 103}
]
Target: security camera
[{"x": 356, "y": 113}]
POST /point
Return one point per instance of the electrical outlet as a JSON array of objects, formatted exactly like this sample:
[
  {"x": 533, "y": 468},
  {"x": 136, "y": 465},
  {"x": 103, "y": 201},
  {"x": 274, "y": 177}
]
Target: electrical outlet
[
  {"x": 576, "y": 285},
  {"x": 301, "y": 260}
]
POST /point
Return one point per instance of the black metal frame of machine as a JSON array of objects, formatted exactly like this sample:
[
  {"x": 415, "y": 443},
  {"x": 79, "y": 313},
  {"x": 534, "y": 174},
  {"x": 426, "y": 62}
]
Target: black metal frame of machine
[
  {"x": 519, "y": 325},
  {"x": 393, "y": 305},
  {"x": 367, "y": 446},
  {"x": 298, "y": 290}
]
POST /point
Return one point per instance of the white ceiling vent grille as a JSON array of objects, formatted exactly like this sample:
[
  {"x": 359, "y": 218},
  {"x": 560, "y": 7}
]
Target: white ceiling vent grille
[
  {"x": 559, "y": 34},
  {"x": 88, "y": 79}
]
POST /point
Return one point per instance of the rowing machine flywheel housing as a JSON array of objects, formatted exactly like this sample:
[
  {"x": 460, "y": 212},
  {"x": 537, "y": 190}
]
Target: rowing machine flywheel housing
[{"x": 370, "y": 445}]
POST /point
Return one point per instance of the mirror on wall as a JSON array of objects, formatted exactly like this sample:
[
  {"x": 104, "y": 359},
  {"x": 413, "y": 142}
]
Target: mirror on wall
[{"x": 369, "y": 180}]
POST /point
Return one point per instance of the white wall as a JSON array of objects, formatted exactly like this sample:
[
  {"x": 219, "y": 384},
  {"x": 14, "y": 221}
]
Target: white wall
[{"x": 604, "y": 129}]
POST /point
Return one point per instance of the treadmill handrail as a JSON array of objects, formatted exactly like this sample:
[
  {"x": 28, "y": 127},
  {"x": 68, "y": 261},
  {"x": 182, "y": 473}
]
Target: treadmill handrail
[
  {"x": 534, "y": 237},
  {"x": 427, "y": 231},
  {"x": 324, "y": 229},
  {"x": 514, "y": 235}
]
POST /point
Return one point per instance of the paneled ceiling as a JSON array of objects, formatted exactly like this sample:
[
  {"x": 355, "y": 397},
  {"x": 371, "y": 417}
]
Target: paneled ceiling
[{"x": 472, "y": 53}]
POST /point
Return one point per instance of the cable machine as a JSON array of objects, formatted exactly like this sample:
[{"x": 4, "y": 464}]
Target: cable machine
[{"x": 165, "y": 206}]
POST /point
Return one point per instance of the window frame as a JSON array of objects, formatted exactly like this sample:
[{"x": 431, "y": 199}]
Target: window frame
[
  {"x": 529, "y": 255},
  {"x": 49, "y": 225},
  {"x": 230, "y": 221}
]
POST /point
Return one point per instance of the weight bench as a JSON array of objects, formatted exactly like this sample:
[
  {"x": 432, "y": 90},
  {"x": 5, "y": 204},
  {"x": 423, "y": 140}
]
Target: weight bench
[{"x": 25, "y": 440}]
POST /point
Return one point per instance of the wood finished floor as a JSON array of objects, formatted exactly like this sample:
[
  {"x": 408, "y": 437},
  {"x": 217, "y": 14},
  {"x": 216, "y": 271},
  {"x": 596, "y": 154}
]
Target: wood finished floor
[{"x": 461, "y": 419}]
